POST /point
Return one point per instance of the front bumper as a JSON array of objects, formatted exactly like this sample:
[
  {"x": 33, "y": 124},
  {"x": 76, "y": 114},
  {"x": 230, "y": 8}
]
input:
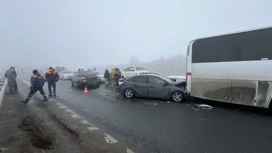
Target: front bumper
[{"x": 89, "y": 82}]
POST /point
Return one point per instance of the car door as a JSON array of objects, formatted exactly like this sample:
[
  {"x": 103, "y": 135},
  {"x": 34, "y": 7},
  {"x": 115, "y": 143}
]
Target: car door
[
  {"x": 139, "y": 84},
  {"x": 157, "y": 87}
]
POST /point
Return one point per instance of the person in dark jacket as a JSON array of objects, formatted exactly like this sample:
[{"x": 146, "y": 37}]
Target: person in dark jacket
[
  {"x": 11, "y": 76},
  {"x": 117, "y": 76},
  {"x": 107, "y": 77},
  {"x": 51, "y": 76},
  {"x": 37, "y": 82}
]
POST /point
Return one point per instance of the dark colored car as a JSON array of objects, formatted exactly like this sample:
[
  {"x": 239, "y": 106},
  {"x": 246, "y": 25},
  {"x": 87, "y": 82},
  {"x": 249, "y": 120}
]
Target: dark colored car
[
  {"x": 151, "y": 86},
  {"x": 84, "y": 78}
]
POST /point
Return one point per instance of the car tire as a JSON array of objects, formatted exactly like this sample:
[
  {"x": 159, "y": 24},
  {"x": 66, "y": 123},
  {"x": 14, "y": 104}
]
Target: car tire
[
  {"x": 72, "y": 83},
  {"x": 177, "y": 96},
  {"x": 78, "y": 85},
  {"x": 129, "y": 93},
  {"x": 97, "y": 86}
]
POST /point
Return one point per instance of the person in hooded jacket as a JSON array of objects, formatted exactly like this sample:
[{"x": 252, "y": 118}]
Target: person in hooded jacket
[
  {"x": 11, "y": 76},
  {"x": 37, "y": 82},
  {"x": 51, "y": 76},
  {"x": 107, "y": 77},
  {"x": 117, "y": 76}
]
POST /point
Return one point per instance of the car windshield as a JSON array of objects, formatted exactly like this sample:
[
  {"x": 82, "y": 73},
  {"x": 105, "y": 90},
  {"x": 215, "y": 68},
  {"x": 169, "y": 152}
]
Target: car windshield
[
  {"x": 140, "y": 68},
  {"x": 166, "y": 79},
  {"x": 86, "y": 73}
]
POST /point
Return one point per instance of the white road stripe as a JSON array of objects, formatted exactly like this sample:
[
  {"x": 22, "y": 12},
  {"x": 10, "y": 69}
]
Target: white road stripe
[
  {"x": 69, "y": 111},
  {"x": 75, "y": 116},
  {"x": 92, "y": 128},
  {"x": 61, "y": 106},
  {"x": 109, "y": 139},
  {"x": 25, "y": 81},
  {"x": 129, "y": 151},
  {"x": 85, "y": 122}
]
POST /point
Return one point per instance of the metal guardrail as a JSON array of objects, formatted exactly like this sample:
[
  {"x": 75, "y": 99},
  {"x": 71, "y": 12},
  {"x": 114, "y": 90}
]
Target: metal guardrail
[{"x": 3, "y": 85}]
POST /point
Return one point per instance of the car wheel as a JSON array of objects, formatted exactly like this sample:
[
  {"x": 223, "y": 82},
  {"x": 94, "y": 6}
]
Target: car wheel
[
  {"x": 177, "y": 96},
  {"x": 128, "y": 93},
  {"x": 97, "y": 86},
  {"x": 78, "y": 85},
  {"x": 72, "y": 83}
]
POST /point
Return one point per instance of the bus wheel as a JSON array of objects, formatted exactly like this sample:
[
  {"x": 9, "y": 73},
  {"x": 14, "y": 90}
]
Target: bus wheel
[{"x": 270, "y": 108}]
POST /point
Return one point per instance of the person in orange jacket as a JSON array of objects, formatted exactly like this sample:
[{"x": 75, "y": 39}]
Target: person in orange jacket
[{"x": 51, "y": 76}]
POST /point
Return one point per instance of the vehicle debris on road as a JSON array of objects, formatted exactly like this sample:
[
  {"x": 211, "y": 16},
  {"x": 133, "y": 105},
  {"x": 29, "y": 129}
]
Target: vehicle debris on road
[{"x": 202, "y": 106}]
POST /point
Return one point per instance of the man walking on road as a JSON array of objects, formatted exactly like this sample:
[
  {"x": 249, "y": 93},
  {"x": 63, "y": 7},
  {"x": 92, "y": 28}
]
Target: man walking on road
[
  {"x": 51, "y": 76},
  {"x": 11, "y": 76},
  {"x": 37, "y": 82}
]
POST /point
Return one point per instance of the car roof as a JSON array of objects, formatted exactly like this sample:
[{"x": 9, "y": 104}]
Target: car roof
[{"x": 154, "y": 75}]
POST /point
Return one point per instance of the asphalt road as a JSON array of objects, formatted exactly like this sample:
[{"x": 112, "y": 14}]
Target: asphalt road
[{"x": 160, "y": 127}]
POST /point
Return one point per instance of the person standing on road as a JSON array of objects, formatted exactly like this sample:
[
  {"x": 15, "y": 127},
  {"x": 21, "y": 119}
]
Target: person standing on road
[
  {"x": 37, "y": 82},
  {"x": 112, "y": 77},
  {"x": 11, "y": 76},
  {"x": 51, "y": 76},
  {"x": 107, "y": 77},
  {"x": 117, "y": 76}
]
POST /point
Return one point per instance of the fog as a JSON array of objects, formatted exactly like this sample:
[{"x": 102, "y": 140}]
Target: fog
[{"x": 97, "y": 33}]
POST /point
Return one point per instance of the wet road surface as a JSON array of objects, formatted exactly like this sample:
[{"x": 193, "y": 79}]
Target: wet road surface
[{"x": 161, "y": 127}]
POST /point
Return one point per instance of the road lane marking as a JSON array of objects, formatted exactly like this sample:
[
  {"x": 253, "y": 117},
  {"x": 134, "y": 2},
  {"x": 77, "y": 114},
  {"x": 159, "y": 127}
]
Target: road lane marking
[
  {"x": 25, "y": 81},
  {"x": 61, "y": 106},
  {"x": 129, "y": 151},
  {"x": 110, "y": 139},
  {"x": 92, "y": 128},
  {"x": 75, "y": 116},
  {"x": 85, "y": 122},
  {"x": 69, "y": 111}
]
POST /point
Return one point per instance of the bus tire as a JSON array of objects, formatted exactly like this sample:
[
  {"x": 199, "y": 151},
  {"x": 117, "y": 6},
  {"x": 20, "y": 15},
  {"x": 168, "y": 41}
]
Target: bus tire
[{"x": 270, "y": 108}]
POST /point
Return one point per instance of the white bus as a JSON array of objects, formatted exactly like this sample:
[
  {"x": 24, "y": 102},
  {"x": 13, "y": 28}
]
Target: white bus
[{"x": 233, "y": 68}]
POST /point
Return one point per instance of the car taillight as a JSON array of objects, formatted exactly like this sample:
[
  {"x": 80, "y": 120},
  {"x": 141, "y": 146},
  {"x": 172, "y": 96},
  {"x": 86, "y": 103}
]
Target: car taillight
[{"x": 187, "y": 75}]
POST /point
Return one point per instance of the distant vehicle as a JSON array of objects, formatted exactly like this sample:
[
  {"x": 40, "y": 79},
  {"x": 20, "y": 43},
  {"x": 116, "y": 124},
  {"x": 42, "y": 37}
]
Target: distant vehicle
[
  {"x": 233, "y": 68},
  {"x": 66, "y": 75},
  {"x": 151, "y": 86},
  {"x": 84, "y": 78},
  {"x": 43, "y": 70},
  {"x": 60, "y": 68},
  {"x": 132, "y": 71}
]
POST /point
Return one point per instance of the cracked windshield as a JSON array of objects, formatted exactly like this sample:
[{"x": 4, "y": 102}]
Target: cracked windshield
[{"x": 145, "y": 76}]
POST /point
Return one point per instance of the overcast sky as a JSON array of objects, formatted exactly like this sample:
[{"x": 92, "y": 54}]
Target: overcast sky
[{"x": 101, "y": 32}]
